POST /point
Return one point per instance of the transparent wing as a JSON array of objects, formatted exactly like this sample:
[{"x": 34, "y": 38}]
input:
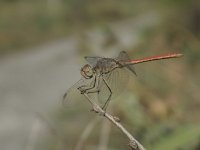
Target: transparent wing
[
  {"x": 117, "y": 80},
  {"x": 123, "y": 56},
  {"x": 92, "y": 59},
  {"x": 73, "y": 94}
]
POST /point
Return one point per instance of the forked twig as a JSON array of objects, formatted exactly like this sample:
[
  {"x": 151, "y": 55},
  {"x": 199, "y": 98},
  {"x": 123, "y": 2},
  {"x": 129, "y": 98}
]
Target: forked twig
[{"x": 133, "y": 143}]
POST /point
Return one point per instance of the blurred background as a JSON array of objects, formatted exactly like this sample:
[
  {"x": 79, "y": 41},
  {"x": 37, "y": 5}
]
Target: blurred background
[{"x": 42, "y": 45}]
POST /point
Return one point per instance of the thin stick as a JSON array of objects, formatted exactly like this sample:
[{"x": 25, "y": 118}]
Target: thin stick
[
  {"x": 159, "y": 57},
  {"x": 133, "y": 143}
]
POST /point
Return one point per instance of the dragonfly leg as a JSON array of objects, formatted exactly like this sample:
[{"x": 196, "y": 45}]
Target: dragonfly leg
[
  {"x": 92, "y": 88},
  {"x": 95, "y": 88},
  {"x": 108, "y": 100}
]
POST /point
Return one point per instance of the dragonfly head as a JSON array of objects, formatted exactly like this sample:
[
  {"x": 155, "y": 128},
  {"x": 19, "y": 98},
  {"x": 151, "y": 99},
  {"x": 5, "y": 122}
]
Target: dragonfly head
[{"x": 87, "y": 71}]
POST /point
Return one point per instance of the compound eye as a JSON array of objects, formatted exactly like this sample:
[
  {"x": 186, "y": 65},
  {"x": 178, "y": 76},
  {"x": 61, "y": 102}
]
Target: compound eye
[{"x": 87, "y": 72}]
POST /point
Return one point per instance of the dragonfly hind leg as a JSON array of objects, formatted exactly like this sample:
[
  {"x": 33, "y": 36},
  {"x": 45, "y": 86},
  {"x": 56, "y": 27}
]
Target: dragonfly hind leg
[
  {"x": 109, "y": 98},
  {"x": 94, "y": 88}
]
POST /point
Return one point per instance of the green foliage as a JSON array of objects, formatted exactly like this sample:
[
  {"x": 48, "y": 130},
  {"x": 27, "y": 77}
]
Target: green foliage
[
  {"x": 25, "y": 23},
  {"x": 186, "y": 137}
]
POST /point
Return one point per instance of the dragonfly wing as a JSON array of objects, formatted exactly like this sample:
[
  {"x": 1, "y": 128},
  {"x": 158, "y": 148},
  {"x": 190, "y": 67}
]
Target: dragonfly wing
[
  {"x": 117, "y": 79},
  {"x": 92, "y": 59},
  {"x": 132, "y": 69},
  {"x": 73, "y": 93},
  {"x": 123, "y": 56}
]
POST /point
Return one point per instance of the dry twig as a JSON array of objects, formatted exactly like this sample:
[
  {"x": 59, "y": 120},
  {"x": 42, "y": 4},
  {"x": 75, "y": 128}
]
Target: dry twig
[{"x": 133, "y": 143}]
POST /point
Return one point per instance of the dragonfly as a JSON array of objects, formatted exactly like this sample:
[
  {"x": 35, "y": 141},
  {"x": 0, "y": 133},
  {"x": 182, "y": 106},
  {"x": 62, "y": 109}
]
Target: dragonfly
[{"x": 105, "y": 76}]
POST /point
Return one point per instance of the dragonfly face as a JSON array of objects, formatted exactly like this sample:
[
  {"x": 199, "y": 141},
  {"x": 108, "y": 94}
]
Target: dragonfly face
[{"x": 87, "y": 71}]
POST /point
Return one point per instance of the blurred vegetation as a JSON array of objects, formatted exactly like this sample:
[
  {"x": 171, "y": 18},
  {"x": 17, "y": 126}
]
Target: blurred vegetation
[
  {"x": 25, "y": 23},
  {"x": 162, "y": 108}
]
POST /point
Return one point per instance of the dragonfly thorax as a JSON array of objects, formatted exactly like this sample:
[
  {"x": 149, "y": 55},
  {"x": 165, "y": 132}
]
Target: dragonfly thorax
[
  {"x": 106, "y": 65},
  {"x": 87, "y": 71}
]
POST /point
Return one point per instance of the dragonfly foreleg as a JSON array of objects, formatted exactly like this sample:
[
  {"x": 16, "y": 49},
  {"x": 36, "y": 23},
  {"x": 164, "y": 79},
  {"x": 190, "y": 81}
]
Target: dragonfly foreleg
[
  {"x": 95, "y": 88},
  {"x": 108, "y": 100},
  {"x": 92, "y": 88}
]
